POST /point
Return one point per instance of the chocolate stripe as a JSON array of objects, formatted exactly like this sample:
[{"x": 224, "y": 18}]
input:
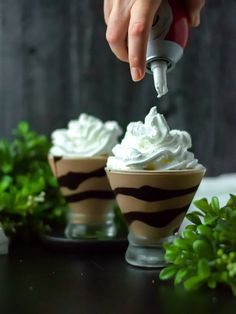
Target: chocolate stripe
[
  {"x": 72, "y": 180},
  {"x": 57, "y": 158},
  {"x": 157, "y": 219},
  {"x": 89, "y": 194},
  {"x": 151, "y": 194}
]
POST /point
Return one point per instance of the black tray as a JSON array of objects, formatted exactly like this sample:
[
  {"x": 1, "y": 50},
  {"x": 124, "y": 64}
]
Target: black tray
[{"x": 56, "y": 240}]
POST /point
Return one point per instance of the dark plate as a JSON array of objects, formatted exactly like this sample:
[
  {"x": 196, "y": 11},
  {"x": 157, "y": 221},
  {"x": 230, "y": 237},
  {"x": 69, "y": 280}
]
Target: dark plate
[{"x": 57, "y": 241}]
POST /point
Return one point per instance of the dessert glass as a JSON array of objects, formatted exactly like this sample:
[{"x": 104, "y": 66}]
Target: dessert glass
[
  {"x": 84, "y": 184},
  {"x": 154, "y": 204}
]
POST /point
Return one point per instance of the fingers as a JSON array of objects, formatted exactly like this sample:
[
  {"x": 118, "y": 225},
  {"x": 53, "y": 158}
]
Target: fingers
[
  {"x": 128, "y": 23},
  {"x": 117, "y": 27},
  {"x": 107, "y": 6},
  {"x": 194, "y": 8},
  {"x": 141, "y": 18}
]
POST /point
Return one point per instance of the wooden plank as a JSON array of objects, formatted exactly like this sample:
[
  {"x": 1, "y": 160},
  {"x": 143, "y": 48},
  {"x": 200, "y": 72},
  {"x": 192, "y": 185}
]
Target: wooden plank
[{"x": 55, "y": 63}]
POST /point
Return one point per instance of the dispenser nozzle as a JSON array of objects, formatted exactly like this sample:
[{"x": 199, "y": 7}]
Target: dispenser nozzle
[{"x": 159, "y": 69}]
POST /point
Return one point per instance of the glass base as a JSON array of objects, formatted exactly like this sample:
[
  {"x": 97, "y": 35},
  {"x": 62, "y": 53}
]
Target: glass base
[
  {"x": 79, "y": 231},
  {"x": 144, "y": 255}
]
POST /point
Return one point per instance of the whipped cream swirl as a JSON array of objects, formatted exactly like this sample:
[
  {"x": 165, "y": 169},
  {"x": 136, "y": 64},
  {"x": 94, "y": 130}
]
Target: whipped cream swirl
[
  {"x": 153, "y": 146},
  {"x": 86, "y": 137}
]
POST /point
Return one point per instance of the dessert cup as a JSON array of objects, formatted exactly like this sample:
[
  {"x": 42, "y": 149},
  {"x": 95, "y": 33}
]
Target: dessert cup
[
  {"x": 84, "y": 184},
  {"x": 154, "y": 204}
]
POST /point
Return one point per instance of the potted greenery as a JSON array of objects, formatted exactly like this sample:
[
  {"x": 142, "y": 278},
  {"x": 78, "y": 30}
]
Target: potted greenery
[
  {"x": 205, "y": 253},
  {"x": 30, "y": 201}
]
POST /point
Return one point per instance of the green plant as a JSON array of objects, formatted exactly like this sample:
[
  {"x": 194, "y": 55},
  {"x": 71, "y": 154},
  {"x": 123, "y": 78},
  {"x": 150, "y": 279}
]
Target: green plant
[
  {"x": 205, "y": 252},
  {"x": 29, "y": 194}
]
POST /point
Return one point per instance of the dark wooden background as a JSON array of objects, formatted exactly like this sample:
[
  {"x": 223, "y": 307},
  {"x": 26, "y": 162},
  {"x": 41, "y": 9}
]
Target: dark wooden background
[{"x": 55, "y": 63}]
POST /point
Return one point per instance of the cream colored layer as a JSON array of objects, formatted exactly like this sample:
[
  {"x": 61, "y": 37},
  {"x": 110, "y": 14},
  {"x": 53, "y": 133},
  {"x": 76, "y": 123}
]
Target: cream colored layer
[
  {"x": 91, "y": 211},
  {"x": 130, "y": 204},
  {"x": 63, "y": 166},
  {"x": 98, "y": 184},
  {"x": 170, "y": 180}
]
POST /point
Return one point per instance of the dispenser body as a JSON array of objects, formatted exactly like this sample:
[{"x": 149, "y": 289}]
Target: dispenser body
[{"x": 168, "y": 36}]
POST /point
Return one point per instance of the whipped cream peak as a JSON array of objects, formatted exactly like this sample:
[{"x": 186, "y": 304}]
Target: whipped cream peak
[
  {"x": 153, "y": 146},
  {"x": 87, "y": 136}
]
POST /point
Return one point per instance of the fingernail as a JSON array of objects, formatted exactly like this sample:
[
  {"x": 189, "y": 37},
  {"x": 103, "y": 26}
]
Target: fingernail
[
  {"x": 196, "y": 20},
  {"x": 136, "y": 74}
]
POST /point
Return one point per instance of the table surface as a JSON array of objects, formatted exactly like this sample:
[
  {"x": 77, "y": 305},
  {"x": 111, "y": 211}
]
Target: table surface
[{"x": 37, "y": 279}]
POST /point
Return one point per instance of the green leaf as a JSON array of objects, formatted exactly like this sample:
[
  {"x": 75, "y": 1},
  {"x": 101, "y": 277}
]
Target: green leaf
[
  {"x": 7, "y": 167},
  {"x": 23, "y": 127},
  {"x": 168, "y": 272},
  {"x": 205, "y": 231},
  {"x": 232, "y": 200},
  {"x": 202, "y": 248},
  {"x": 6, "y": 201},
  {"x": 211, "y": 283},
  {"x": 5, "y": 183},
  {"x": 189, "y": 235},
  {"x": 194, "y": 218},
  {"x": 193, "y": 283},
  {"x": 224, "y": 276},
  {"x": 170, "y": 256},
  {"x": 203, "y": 205},
  {"x": 210, "y": 220},
  {"x": 179, "y": 260},
  {"x": 203, "y": 268},
  {"x": 229, "y": 212},
  {"x": 191, "y": 227},
  {"x": 215, "y": 203},
  {"x": 171, "y": 249},
  {"x": 182, "y": 243},
  {"x": 180, "y": 275}
]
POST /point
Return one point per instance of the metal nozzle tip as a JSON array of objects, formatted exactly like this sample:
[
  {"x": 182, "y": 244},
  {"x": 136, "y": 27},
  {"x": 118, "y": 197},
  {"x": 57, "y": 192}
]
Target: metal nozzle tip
[
  {"x": 159, "y": 69},
  {"x": 161, "y": 91}
]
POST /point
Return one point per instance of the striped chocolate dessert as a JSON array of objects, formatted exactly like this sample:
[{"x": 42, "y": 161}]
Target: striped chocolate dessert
[
  {"x": 84, "y": 184},
  {"x": 154, "y": 203}
]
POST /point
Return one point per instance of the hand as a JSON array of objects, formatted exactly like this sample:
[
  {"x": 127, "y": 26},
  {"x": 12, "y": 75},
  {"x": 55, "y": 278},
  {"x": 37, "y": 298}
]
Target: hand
[
  {"x": 128, "y": 25},
  {"x": 194, "y": 8}
]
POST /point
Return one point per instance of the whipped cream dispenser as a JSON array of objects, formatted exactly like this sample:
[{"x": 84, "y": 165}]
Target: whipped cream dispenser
[{"x": 167, "y": 40}]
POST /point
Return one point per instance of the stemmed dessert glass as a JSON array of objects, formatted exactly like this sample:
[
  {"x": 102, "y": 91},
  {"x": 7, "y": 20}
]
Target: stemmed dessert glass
[
  {"x": 84, "y": 184},
  {"x": 154, "y": 204}
]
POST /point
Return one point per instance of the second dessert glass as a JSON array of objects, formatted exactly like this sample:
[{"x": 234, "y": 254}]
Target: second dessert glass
[
  {"x": 84, "y": 184},
  {"x": 154, "y": 204},
  {"x": 77, "y": 158}
]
